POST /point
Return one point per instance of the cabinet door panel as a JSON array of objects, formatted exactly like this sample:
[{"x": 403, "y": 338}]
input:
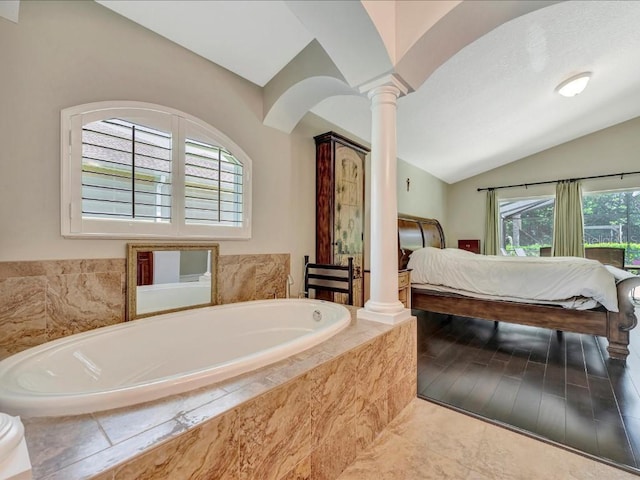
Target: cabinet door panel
[{"x": 340, "y": 206}]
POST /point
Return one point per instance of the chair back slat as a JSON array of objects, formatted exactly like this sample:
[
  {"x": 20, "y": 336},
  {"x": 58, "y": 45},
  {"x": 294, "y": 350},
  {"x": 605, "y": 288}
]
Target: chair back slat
[{"x": 329, "y": 278}]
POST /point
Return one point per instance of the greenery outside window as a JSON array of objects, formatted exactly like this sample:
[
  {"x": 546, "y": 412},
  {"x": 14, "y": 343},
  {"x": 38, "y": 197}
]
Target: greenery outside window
[
  {"x": 132, "y": 169},
  {"x": 526, "y": 225},
  {"x": 611, "y": 219}
]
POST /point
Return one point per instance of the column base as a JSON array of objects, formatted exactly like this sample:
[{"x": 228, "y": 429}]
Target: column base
[
  {"x": 14, "y": 457},
  {"x": 387, "y": 317}
]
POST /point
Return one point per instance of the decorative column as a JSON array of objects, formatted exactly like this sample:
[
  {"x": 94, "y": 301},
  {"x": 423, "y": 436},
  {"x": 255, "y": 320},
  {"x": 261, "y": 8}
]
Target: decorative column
[{"x": 383, "y": 304}]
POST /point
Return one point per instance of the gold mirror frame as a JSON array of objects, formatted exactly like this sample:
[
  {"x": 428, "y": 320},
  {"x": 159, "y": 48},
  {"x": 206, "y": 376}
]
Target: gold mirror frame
[{"x": 132, "y": 273}]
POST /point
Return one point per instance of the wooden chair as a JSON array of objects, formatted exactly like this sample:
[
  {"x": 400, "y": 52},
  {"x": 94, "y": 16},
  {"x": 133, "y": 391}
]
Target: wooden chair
[
  {"x": 329, "y": 278},
  {"x": 606, "y": 255}
]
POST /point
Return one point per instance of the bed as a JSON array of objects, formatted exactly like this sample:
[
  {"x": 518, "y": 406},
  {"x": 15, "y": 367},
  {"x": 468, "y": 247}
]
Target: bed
[{"x": 415, "y": 233}]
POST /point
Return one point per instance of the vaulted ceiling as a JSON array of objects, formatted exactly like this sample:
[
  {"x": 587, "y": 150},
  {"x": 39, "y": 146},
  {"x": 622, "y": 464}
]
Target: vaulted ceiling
[{"x": 481, "y": 74}]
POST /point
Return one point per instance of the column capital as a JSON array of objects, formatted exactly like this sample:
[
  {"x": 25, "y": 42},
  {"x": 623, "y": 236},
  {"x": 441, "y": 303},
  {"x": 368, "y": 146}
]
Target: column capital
[{"x": 392, "y": 81}]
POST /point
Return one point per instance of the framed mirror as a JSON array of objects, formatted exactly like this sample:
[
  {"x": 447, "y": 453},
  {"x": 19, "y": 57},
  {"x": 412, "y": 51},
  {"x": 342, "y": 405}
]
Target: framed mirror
[{"x": 167, "y": 277}]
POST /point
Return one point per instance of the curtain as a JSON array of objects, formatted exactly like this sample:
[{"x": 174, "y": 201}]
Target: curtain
[
  {"x": 492, "y": 224},
  {"x": 568, "y": 224}
]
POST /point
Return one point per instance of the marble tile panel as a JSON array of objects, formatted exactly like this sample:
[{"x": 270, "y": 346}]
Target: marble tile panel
[
  {"x": 392, "y": 457},
  {"x": 333, "y": 395},
  {"x": 228, "y": 260},
  {"x": 55, "y": 443},
  {"x": 371, "y": 418},
  {"x": 88, "y": 265},
  {"x": 301, "y": 365},
  {"x": 254, "y": 259},
  {"x": 108, "y": 460},
  {"x": 371, "y": 369},
  {"x": 236, "y": 283},
  {"x": 275, "y": 431},
  {"x": 356, "y": 337},
  {"x": 21, "y": 269},
  {"x": 403, "y": 350},
  {"x": 80, "y": 302},
  {"x": 302, "y": 471},
  {"x": 335, "y": 453},
  {"x": 208, "y": 451},
  {"x": 225, "y": 403},
  {"x": 263, "y": 374},
  {"x": 122, "y": 423},
  {"x": 473, "y": 475},
  {"x": 271, "y": 280},
  {"x": 104, "y": 476},
  {"x": 60, "y": 267},
  {"x": 401, "y": 393},
  {"x": 103, "y": 265},
  {"x": 22, "y": 314}
]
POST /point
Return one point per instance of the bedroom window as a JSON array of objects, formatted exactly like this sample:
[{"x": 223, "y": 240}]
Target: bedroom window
[
  {"x": 526, "y": 225},
  {"x": 139, "y": 170},
  {"x": 612, "y": 219}
]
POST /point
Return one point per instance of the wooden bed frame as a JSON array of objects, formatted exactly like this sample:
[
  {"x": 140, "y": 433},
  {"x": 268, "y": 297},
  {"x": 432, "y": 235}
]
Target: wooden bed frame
[{"x": 416, "y": 232}]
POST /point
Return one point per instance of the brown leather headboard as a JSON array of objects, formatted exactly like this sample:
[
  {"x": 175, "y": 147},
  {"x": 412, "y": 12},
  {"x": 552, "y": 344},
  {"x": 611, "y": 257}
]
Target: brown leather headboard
[{"x": 415, "y": 233}]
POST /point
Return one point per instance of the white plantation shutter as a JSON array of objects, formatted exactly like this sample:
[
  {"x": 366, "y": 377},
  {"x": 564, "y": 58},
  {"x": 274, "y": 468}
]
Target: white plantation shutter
[
  {"x": 213, "y": 185},
  {"x": 126, "y": 171},
  {"x": 140, "y": 170}
]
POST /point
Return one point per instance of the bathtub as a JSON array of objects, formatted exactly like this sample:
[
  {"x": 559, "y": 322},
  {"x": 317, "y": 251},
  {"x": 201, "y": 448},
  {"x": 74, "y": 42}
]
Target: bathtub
[
  {"x": 150, "y": 358},
  {"x": 165, "y": 296}
]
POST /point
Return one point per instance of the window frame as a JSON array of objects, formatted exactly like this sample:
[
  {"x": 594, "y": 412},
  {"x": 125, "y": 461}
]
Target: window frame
[
  {"x": 585, "y": 194},
  {"x": 181, "y": 125}
]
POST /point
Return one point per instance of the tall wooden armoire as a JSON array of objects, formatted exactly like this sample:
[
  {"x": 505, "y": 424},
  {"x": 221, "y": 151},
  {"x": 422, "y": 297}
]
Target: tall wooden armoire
[{"x": 340, "y": 206}]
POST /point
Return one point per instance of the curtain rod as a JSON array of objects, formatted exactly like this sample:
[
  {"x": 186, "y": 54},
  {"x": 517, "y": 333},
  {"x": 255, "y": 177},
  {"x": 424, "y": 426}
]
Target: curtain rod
[{"x": 525, "y": 185}]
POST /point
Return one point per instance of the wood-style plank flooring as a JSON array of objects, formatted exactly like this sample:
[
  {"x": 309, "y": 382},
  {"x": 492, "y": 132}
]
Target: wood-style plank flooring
[{"x": 562, "y": 388}]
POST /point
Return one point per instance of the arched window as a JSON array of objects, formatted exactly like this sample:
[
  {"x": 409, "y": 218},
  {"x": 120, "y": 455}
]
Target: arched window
[{"x": 132, "y": 169}]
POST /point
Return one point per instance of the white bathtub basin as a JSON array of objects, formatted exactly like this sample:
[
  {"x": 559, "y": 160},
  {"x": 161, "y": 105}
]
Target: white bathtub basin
[{"x": 162, "y": 355}]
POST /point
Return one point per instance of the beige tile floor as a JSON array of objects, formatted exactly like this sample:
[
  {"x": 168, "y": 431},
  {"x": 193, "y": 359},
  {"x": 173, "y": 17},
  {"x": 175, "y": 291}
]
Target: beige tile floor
[{"x": 427, "y": 441}]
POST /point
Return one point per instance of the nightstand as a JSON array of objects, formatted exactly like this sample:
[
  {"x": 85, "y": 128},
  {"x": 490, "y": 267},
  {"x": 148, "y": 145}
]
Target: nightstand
[
  {"x": 469, "y": 245},
  {"x": 404, "y": 287}
]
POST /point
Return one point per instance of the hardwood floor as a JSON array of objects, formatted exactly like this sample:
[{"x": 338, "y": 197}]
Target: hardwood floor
[{"x": 560, "y": 387}]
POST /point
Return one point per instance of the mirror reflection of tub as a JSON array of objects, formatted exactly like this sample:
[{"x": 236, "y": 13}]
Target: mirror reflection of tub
[
  {"x": 172, "y": 296},
  {"x": 163, "y": 277}
]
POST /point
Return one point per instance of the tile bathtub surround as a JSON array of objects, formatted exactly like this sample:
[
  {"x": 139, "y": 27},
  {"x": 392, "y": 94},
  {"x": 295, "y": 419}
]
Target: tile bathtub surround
[
  {"x": 252, "y": 277},
  {"x": 301, "y": 418},
  {"x": 46, "y": 300}
]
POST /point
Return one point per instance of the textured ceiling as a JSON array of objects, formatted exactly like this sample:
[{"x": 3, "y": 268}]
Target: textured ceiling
[{"x": 490, "y": 104}]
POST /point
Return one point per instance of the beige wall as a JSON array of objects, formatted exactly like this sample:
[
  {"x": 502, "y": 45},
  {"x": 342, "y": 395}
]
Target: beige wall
[
  {"x": 426, "y": 197},
  {"x": 612, "y": 150}
]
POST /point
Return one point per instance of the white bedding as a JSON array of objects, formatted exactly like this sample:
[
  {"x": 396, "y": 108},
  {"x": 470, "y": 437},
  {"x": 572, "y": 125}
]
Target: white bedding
[{"x": 529, "y": 279}]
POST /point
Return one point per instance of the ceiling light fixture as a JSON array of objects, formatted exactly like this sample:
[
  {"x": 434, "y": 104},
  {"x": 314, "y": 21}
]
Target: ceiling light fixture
[{"x": 574, "y": 85}]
